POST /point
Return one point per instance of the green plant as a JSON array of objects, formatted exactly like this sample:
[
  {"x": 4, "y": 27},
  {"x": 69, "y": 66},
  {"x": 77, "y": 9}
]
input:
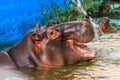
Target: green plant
[
  {"x": 46, "y": 15},
  {"x": 115, "y": 25},
  {"x": 92, "y": 6},
  {"x": 65, "y": 15}
]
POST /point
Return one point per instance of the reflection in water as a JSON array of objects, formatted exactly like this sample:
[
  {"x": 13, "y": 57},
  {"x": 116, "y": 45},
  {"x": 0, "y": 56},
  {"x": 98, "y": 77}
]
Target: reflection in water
[
  {"x": 48, "y": 74},
  {"x": 53, "y": 74}
]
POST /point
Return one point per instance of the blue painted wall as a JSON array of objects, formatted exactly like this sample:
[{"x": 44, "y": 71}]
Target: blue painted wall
[{"x": 19, "y": 16}]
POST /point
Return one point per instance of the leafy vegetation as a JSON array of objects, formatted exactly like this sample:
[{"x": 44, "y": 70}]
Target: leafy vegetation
[
  {"x": 71, "y": 13},
  {"x": 46, "y": 16},
  {"x": 115, "y": 25},
  {"x": 92, "y": 7},
  {"x": 65, "y": 15}
]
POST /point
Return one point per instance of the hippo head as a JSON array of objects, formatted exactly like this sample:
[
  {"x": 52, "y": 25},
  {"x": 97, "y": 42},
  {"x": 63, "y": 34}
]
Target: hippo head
[
  {"x": 55, "y": 45},
  {"x": 104, "y": 25}
]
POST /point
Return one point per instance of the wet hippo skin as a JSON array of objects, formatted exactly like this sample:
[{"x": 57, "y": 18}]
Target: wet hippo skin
[
  {"x": 56, "y": 45},
  {"x": 104, "y": 25}
]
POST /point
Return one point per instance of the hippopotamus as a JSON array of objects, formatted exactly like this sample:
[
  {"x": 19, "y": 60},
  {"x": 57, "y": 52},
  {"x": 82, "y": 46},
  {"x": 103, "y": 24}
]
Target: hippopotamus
[
  {"x": 55, "y": 45},
  {"x": 104, "y": 25}
]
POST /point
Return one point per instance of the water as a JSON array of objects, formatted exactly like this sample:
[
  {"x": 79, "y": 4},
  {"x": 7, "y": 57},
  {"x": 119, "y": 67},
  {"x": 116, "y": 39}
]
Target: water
[
  {"x": 95, "y": 26},
  {"x": 106, "y": 66}
]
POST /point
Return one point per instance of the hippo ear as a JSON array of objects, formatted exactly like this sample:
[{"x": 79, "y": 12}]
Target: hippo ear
[
  {"x": 50, "y": 23},
  {"x": 37, "y": 25},
  {"x": 52, "y": 33},
  {"x": 36, "y": 37}
]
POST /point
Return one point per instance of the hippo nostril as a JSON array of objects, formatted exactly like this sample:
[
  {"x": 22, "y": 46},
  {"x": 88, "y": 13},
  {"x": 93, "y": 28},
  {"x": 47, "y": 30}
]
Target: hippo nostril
[{"x": 51, "y": 33}]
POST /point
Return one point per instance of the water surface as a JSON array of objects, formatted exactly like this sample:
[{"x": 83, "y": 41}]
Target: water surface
[{"x": 106, "y": 66}]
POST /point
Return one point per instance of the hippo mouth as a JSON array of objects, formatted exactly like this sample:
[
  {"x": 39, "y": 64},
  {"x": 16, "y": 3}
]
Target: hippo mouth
[{"x": 82, "y": 51}]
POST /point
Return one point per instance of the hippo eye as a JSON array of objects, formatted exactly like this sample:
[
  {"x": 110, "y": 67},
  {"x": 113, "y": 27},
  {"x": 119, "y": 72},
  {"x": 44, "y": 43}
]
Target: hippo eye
[{"x": 52, "y": 33}]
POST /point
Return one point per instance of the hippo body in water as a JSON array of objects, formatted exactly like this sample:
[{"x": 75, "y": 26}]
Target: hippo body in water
[
  {"x": 51, "y": 46},
  {"x": 104, "y": 25}
]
